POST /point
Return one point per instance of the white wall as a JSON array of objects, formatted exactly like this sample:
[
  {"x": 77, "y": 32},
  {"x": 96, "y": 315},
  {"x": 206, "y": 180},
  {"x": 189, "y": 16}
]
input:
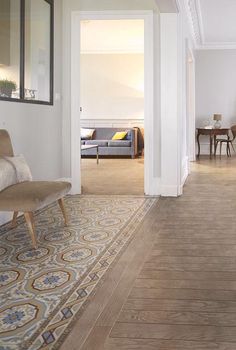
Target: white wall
[
  {"x": 36, "y": 129},
  {"x": 112, "y": 86},
  {"x": 215, "y": 89}
]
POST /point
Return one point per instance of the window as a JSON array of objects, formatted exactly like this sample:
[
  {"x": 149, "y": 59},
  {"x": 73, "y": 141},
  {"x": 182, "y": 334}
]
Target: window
[{"x": 26, "y": 51}]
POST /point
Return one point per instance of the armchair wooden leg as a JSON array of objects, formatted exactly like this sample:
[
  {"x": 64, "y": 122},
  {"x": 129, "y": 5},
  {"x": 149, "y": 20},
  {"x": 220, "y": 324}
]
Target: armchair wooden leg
[
  {"x": 221, "y": 149},
  {"x": 29, "y": 218},
  {"x": 61, "y": 204},
  {"x": 14, "y": 222}
]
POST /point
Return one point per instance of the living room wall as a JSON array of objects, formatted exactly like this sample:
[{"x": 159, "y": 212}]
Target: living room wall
[
  {"x": 112, "y": 87},
  {"x": 215, "y": 88}
]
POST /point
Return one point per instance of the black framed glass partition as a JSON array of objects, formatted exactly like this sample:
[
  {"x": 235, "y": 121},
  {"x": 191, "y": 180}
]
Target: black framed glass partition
[{"x": 26, "y": 51}]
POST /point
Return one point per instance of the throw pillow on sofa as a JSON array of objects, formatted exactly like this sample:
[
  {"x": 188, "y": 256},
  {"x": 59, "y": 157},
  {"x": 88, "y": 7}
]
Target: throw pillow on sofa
[
  {"x": 120, "y": 135},
  {"x": 86, "y": 134}
]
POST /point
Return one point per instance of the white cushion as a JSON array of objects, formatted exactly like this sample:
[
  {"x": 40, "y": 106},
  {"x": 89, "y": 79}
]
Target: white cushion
[
  {"x": 13, "y": 170},
  {"x": 86, "y": 133},
  {"x": 7, "y": 174}
]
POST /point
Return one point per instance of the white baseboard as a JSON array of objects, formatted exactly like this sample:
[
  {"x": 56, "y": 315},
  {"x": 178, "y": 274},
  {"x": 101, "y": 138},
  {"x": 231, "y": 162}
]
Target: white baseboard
[
  {"x": 184, "y": 174},
  {"x": 155, "y": 187},
  {"x": 67, "y": 179},
  {"x": 169, "y": 191}
]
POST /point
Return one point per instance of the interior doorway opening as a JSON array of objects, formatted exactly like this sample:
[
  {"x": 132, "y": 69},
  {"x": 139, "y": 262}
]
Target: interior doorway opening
[
  {"x": 150, "y": 180},
  {"x": 112, "y": 102}
]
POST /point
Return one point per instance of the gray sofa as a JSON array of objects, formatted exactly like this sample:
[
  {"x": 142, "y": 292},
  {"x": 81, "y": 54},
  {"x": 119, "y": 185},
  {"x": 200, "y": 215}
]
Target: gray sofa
[{"x": 108, "y": 147}]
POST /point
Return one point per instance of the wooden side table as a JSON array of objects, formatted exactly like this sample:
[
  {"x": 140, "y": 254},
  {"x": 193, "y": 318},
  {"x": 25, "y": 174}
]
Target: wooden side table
[{"x": 212, "y": 133}]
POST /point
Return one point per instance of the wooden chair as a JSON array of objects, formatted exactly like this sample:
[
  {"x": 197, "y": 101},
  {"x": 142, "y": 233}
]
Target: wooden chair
[
  {"x": 29, "y": 196},
  {"x": 228, "y": 142}
]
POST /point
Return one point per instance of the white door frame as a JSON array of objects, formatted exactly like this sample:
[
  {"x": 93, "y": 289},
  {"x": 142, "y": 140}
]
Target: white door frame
[
  {"x": 191, "y": 114},
  {"x": 147, "y": 16}
]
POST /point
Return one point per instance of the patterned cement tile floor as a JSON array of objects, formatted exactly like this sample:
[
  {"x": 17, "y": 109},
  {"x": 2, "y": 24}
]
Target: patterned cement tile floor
[
  {"x": 175, "y": 289},
  {"x": 113, "y": 176},
  {"x": 43, "y": 291}
]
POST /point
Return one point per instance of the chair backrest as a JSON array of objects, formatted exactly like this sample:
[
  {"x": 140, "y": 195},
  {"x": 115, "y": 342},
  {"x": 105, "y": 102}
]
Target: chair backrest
[
  {"x": 5, "y": 144},
  {"x": 233, "y": 130}
]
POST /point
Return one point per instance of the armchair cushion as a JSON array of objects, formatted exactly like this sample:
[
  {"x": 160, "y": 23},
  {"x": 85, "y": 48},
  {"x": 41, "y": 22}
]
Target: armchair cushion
[
  {"x": 21, "y": 168},
  {"x": 13, "y": 170},
  {"x": 33, "y": 195},
  {"x": 7, "y": 174}
]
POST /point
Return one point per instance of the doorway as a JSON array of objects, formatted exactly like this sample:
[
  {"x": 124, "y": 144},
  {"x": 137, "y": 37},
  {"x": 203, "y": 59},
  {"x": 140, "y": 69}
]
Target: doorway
[
  {"x": 77, "y": 17},
  {"x": 112, "y": 101}
]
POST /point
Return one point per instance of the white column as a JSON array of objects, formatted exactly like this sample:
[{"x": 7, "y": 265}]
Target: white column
[{"x": 170, "y": 150}]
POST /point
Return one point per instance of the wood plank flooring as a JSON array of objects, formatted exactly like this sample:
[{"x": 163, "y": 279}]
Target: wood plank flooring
[{"x": 178, "y": 288}]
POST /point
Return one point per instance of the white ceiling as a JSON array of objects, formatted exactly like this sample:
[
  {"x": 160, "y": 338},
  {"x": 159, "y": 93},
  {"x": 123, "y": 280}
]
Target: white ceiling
[
  {"x": 112, "y": 36},
  {"x": 213, "y": 23}
]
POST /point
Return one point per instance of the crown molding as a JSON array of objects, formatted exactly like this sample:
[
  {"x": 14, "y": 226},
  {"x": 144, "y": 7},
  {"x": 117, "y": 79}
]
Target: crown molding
[{"x": 194, "y": 14}]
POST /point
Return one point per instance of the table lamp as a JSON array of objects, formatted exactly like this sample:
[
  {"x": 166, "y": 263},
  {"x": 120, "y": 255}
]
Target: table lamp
[{"x": 217, "y": 118}]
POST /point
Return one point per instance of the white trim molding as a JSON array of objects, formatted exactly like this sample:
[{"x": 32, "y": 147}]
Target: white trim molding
[
  {"x": 112, "y": 123},
  {"x": 170, "y": 156},
  {"x": 193, "y": 10},
  {"x": 150, "y": 181},
  {"x": 218, "y": 46},
  {"x": 194, "y": 14}
]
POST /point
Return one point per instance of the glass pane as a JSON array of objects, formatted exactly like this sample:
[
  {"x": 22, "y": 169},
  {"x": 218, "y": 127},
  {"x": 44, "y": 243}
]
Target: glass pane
[
  {"x": 37, "y": 50},
  {"x": 9, "y": 48}
]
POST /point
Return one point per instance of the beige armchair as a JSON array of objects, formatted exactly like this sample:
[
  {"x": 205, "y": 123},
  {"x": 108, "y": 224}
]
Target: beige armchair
[{"x": 29, "y": 196}]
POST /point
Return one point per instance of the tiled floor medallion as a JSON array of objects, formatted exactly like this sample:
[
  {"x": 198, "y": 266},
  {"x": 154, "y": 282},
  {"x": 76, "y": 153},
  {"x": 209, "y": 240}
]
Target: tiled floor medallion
[
  {"x": 95, "y": 236},
  {"x": 59, "y": 235},
  {"x": 32, "y": 255},
  {"x": 41, "y": 290}
]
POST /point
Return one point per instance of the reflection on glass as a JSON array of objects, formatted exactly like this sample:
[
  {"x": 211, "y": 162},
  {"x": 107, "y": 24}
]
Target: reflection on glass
[
  {"x": 37, "y": 50},
  {"x": 9, "y": 48}
]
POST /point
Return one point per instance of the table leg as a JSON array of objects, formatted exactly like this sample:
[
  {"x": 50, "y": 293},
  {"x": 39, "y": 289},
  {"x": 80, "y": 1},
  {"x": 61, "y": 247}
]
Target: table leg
[
  {"x": 198, "y": 143},
  {"x": 214, "y": 145},
  {"x": 210, "y": 146},
  {"x": 97, "y": 156}
]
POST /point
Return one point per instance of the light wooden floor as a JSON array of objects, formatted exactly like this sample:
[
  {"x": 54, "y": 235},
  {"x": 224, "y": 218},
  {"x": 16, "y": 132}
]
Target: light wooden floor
[
  {"x": 113, "y": 176},
  {"x": 175, "y": 285}
]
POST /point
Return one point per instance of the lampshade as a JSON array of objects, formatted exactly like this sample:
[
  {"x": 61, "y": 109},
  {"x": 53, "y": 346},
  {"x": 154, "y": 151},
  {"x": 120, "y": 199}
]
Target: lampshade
[{"x": 217, "y": 117}]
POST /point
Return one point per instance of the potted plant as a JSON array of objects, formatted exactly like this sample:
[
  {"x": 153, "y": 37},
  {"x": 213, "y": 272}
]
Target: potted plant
[{"x": 6, "y": 87}]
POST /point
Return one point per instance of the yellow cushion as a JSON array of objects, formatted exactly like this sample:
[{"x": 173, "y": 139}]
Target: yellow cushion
[{"x": 120, "y": 135}]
